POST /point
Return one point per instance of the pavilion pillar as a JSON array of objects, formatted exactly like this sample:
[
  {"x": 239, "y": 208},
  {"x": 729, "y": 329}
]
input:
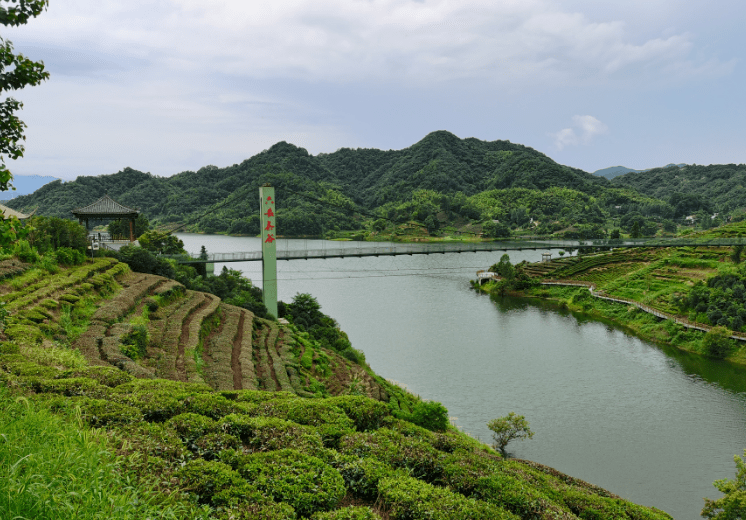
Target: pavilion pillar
[
  {"x": 132, "y": 230},
  {"x": 269, "y": 248}
]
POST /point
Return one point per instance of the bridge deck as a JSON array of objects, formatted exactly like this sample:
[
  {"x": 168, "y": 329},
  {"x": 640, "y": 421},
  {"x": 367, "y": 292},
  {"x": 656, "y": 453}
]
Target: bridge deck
[{"x": 360, "y": 249}]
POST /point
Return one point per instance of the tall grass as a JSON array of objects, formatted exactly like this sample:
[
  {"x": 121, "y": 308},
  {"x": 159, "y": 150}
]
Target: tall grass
[{"x": 53, "y": 468}]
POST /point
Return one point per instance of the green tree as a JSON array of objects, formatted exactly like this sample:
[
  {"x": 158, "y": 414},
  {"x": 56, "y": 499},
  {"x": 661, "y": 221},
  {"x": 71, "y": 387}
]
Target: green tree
[
  {"x": 716, "y": 342},
  {"x": 16, "y": 72},
  {"x": 492, "y": 229},
  {"x": 733, "y": 505},
  {"x": 635, "y": 231},
  {"x": 504, "y": 268},
  {"x": 735, "y": 255},
  {"x": 508, "y": 428},
  {"x": 161, "y": 243}
]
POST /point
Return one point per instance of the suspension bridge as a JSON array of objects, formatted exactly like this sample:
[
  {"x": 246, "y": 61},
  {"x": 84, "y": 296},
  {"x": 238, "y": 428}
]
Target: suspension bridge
[
  {"x": 362, "y": 249},
  {"x": 270, "y": 252}
]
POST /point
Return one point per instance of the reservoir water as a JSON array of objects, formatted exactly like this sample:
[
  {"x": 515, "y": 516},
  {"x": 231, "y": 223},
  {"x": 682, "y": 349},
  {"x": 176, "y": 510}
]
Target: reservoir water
[{"x": 651, "y": 424}]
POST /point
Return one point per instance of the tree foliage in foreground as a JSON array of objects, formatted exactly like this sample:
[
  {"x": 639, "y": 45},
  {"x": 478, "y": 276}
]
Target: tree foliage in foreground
[
  {"x": 733, "y": 505},
  {"x": 16, "y": 72}
]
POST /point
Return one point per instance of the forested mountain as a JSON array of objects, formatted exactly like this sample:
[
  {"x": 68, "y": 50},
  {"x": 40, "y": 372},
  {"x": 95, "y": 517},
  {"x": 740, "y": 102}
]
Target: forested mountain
[
  {"x": 692, "y": 188},
  {"x": 431, "y": 182}
]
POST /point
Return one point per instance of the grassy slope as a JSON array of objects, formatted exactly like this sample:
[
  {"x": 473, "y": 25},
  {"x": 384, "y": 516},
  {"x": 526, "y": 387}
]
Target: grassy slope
[{"x": 186, "y": 427}]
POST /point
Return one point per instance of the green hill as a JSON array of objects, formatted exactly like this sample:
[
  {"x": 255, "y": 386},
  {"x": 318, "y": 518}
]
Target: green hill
[
  {"x": 319, "y": 192},
  {"x": 692, "y": 188},
  {"x": 202, "y": 410}
]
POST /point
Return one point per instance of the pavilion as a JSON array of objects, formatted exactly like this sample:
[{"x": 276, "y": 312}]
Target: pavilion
[
  {"x": 106, "y": 208},
  {"x": 10, "y": 212}
]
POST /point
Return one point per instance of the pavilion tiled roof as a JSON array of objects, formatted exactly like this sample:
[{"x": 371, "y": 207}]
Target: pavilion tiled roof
[
  {"x": 105, "y": 206},
  {"x": 9, "y": 212}
]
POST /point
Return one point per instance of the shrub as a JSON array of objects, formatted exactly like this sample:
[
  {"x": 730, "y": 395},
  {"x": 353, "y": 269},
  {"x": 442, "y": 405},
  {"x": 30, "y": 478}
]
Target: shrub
[
  {"x": 135, "y": 342},
  {"x": 153, "y": 439},
  {"x": 156, "y": 405},
  {"x": 416, "y": 456},
  {"x": 148, "y": 385},
  {"x": 347, "y": 513},
  {"x": 25, "y": 252},
  {"x": 78, "y": 386},
  {"x": 206, "y": 478},
  {"x": 361, "y": 475},
  {"x": 68, "y": 256},
  {"x": 8, "y": 348},
  {"x": 409, "y": 498},
  {"x": 108, "y": 376},
  {"x": 27, "y": 368},
  {"x": 247, "y": 503},
  {"x": 24, "y": 334},
  {"x": 190, "y": 426},
  {"x": 209, "y": 446},
  {"x": 451, "y": 442},
  {"x": 270, "y": 433},
  {"x": 367, "y": 414},
  {"x": 302, "y": 481},
  {"x": 98, "y": 412},
  {"x": 213, "y": 405},
  {"x": 330, "y": 421},
  {"x": 431, "y": 415},
  {"x": 717, "y": 343}
]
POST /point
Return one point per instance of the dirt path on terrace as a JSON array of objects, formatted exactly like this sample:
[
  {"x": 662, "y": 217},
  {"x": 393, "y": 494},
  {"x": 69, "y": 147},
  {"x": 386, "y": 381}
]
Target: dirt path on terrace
[
  {"x": 236, "y": 353},
  {"x": 184, "y": 339}
]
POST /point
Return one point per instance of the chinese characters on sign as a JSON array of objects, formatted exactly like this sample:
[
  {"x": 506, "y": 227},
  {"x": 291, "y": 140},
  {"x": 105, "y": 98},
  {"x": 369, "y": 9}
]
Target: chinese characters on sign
[{"x": 269, "y": 214}]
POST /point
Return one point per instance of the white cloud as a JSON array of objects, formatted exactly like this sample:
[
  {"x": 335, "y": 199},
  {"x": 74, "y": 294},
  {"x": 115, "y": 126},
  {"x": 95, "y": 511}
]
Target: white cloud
[
  {"x": 587, "y": 126},
  {"x": 504, "y": 42}
]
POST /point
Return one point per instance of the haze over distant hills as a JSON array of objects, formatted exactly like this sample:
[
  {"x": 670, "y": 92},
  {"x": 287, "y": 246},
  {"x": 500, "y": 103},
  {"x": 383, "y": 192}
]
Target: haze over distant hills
[
  {"x": 26, "y": 184},
  {"x": 616, "y": 171}
]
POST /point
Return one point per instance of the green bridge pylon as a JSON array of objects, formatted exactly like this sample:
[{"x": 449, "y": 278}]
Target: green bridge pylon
[{"x": 269, "y": 248}]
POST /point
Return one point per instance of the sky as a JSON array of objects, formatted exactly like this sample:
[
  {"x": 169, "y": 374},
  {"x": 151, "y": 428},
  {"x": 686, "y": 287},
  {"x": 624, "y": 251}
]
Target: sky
[{"x": 165, "y": 86}]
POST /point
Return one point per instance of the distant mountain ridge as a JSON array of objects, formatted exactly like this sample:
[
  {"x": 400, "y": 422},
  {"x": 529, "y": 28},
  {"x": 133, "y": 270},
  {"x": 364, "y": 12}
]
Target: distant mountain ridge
[
  {"x": 25, "y": 185},
  {"x": 616, "y": 171},
  {"x": 319, "y": 192}
]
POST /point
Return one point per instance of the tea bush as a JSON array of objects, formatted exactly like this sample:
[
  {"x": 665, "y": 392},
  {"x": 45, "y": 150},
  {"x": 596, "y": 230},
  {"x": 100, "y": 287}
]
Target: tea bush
[
  {"x": 367, "y": 414},
  {"x": 302, "y": 481},
  {"x": 156, "y": 405},
  {"x": 347, "y": 513},
  {"x": 108, "y": 376},
  {"x": 330, "y": 421},
  {"x": 411, "y": 499},
  {"x": 189, "y": 426},
  {"x": 210, "y": 445},
  {"x": 416, "y": 456},
  {"x": 99, "y": 412},
  {"x": 206, "y": 478},
  {"x": 154, "y": 439},
  {"x": 213, "y": 405},
  {"x": 270, "y": 433},
  {"x": 361, "y": 475}
]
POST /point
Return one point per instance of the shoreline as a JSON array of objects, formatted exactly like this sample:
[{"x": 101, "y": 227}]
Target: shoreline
[{"x": 658, "y": 332}]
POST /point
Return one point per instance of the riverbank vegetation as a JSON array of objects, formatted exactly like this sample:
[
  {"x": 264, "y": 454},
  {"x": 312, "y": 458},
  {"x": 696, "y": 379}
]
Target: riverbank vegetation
[
  {"x": 692, "y": 298},
  {"x": 129, "y": 395}
]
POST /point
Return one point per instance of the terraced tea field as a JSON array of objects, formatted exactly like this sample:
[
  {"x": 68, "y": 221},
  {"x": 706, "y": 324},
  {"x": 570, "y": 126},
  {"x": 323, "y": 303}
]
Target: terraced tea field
[{"x": 152, "y": 327}]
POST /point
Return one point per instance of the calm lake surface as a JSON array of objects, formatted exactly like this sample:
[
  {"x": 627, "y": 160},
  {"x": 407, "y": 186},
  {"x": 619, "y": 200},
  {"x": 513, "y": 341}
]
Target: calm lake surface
[{"x": 653, "y": 425}]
